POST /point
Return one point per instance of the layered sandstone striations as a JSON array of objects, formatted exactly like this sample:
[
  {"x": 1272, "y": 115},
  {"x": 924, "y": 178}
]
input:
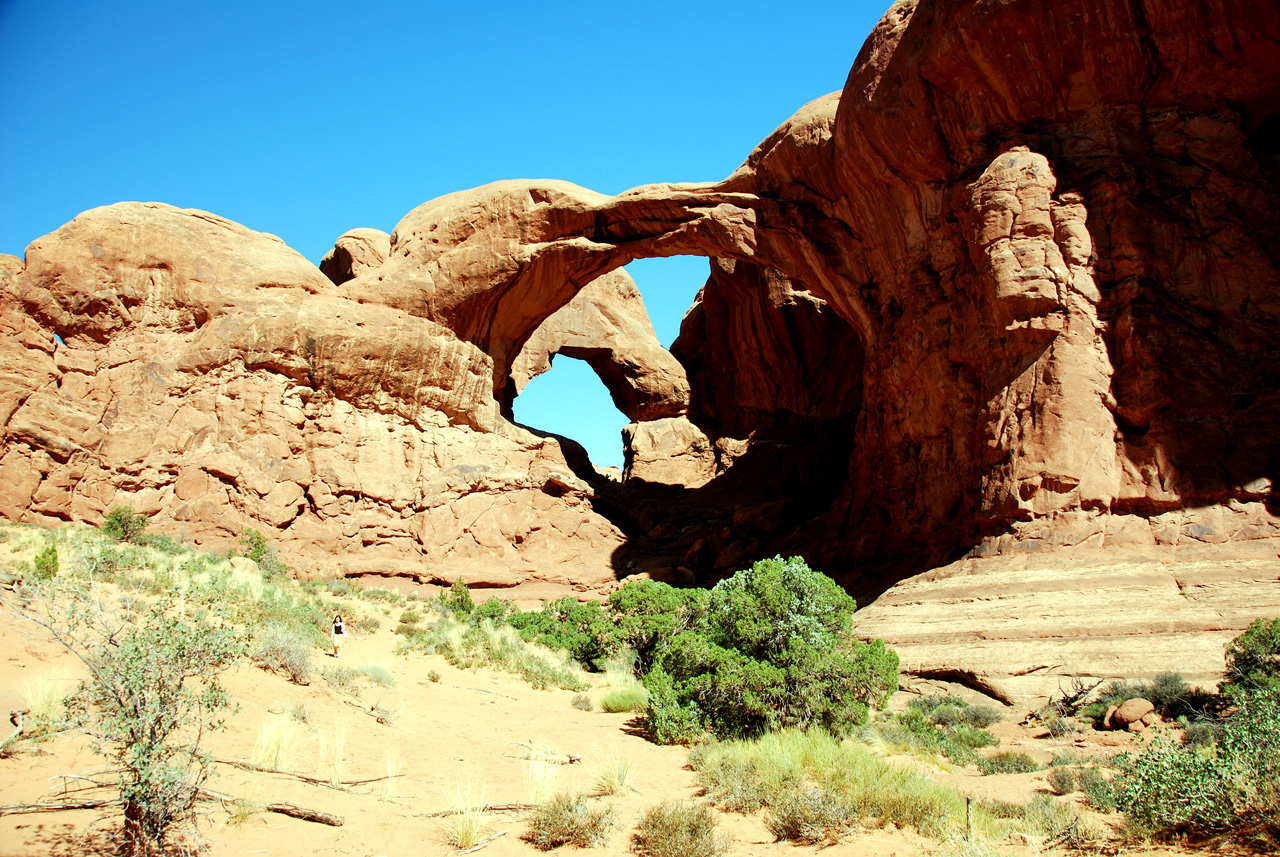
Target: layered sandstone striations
[{"x": 1015, "y": 288}]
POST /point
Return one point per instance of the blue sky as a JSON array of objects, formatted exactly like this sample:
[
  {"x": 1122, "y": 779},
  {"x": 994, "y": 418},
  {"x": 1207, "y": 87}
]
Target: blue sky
[{"x": 308, "y": 119}]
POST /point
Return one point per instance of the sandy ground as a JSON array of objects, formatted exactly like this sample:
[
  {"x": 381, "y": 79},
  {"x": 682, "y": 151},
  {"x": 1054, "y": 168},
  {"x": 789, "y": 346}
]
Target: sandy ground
[{"x": 462, "y": 730}]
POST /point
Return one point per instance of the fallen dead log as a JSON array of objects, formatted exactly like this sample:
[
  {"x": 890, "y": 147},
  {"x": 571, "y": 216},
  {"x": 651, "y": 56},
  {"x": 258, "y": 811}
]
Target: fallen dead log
[
  {"x": 261, "y": 769},
  {"x": 288, "y": 809},
  {"x": 488, "y": 807},
  {"x": 59, "y": 806}
]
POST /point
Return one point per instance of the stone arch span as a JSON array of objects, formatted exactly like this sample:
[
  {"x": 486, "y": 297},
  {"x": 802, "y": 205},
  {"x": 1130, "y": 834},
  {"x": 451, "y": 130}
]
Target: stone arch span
[{"x": 493, "y": 263}]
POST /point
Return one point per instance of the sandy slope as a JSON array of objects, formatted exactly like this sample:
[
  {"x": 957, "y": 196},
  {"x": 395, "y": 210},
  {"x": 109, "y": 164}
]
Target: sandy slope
[{"x": 458, "y": 731}]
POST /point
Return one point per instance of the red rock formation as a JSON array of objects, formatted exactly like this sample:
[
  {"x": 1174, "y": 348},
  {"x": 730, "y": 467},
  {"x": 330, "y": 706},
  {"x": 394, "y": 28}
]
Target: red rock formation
[
  {"x": 211, "y": 377},
  {"x": 355, "y": 252},
  {"x": 1016, "y": 287},
  {"x": 606, "y": 326}
]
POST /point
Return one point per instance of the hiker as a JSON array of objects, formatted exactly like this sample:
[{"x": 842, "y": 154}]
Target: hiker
[{"x": 339, "y": 634}]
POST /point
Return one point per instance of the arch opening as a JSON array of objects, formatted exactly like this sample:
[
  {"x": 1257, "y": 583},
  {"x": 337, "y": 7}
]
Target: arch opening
[{"x": 570, "y": 400}]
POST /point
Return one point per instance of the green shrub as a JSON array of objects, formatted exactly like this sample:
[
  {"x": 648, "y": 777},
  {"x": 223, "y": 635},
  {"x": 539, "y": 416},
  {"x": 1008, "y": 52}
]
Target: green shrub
[
  {"x": 568, "y": 820},
  {"x": 458, "y": 599},
  {"x": 583, "y": 629},
  {"x": 1045, "y": 816},
  {"x": 433, "y": 676},
  {"x": 257, "y": 548},
  {"x": 379, "y": 675},
  {"x": 1200, "y": 734},
  {"x": 1253, "y": 660},
  {"x": 582, "y": 702},
  {"x": 1062, "y": 781},
  {"x": 1238, "y": 782},
  {"x": 1007, "y": 762},
  {"x": 1119, "y": 691},
  {"x": 410, "y": 617},
  {"x": 339, "y": 586},
  {"x": 1166, "y": 691},
  {"x": 124, "y": 525},
  {"x": 649, "y": 613},
  {"x": 139, "y": 702},
  {"x": 669, "y": 720},
  {"x": 46, "y": 563},
  {"x": 777, "y": 651},
  {"x": 1097, "y": 790},
  {"x": 496, "y": 610},
  {"x": 679, "y": 829},
  {"x": 286, "y": 649},
  {"x": 981, "y": 716}
]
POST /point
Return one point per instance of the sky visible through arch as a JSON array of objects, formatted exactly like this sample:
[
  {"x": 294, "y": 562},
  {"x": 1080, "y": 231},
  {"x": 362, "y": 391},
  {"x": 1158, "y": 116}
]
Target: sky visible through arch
[{"x": 308, "y": 119}]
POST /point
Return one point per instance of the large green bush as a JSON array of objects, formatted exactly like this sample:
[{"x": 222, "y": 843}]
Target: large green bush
[
  {"x": 1235, "y": 783},
  {"x": 649, "y": 614},
  {"x": 775, "y": 650},
  {"x": 1253, "y": 659},
  {"x": 583, "y": 629}
]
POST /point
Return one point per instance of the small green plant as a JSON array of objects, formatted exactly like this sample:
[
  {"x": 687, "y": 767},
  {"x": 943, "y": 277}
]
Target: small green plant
[
  {"x": 679, "y": 829},
  {"x": 582, "y": 702},
  {"x": 568, "y": 820},
  {"x": 125, "y": 525},
  {"x": 410, "y": 617},
  {"x": 433, "y": 675},
  {"x": 46, "y": 563},
  {"x": 1062, "y": 781},
  {"x": 1097, "y": 790},
  {"x": 1007, "y": 762},
  {"x": 458, "y": 599}
]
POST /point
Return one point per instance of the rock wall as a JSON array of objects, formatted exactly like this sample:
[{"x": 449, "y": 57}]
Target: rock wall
[
  {"x": 1015, "y": 288},
  {"x": 211, "y": 377}
]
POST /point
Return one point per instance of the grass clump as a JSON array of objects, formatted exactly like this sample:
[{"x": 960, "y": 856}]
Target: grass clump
[
  {"x": 582, "y": 702},
  {"x": 468, "y": 821},
  {"x": 540, "y": 777},
  {"x": 44, "y": 697},
  {"x": 626, "y": 693},
  {"x": 679, "y": 829},
  {"x": 568, "y": 820},
  {"x": 816, "y": 786},
  {"x": 1007, "y": 762},
  {"x": 286, "y": 649},
  {"x": 614, "y": 776},
  {"x": 279, "y": 739}
]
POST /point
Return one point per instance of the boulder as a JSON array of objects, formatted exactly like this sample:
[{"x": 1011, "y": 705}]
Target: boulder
[
  {"x": 356, "y": 252},
  {"x": 1131, "y": 711}
]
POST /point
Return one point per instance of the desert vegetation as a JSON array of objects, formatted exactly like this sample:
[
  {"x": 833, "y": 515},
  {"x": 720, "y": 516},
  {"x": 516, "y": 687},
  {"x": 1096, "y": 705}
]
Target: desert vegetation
[{"x": 783, "y": 710}]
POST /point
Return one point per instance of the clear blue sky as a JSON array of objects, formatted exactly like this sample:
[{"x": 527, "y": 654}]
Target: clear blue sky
[{"x": 308, "y": 119}]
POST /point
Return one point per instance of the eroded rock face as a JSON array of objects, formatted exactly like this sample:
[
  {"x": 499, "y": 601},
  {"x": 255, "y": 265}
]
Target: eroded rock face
[
  {"x": 355, "y": 252},
  {"x": 1022, "y": 626},
  {"x": 214, "y": 379},
  {"x": 1014, "y": 289},
  {"x": 606, "y": 326}
]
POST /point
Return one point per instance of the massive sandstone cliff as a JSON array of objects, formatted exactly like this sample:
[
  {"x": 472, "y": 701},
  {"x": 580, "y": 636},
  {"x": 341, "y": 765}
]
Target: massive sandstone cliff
[{"x": 1015, "y": 288}]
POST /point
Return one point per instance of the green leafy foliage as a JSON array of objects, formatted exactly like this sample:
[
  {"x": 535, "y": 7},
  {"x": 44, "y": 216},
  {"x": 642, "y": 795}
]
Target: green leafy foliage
[
  {"x": 140, "y": 701},
  {"x": 458, "y": 599},
  {"x": 1235, "y": 783},
  {"x": 649, "y": 613},
  {"x": 46, "y": 563},
  {"x": 125, "y": 525},
  {"x": 583, "y": 629},
  {"x": 1253, "y": 659},
  {"x": 775, "y": 650},
  {"x": 256, "y": 547}
]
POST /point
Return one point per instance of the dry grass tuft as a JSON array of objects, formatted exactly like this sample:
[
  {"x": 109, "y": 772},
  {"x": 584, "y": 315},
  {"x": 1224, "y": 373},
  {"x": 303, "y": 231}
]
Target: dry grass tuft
[
  {"x": 279, "y": 739},
  {"x": 466, "y": 827},
  {"x": 614, "y": 776}
]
